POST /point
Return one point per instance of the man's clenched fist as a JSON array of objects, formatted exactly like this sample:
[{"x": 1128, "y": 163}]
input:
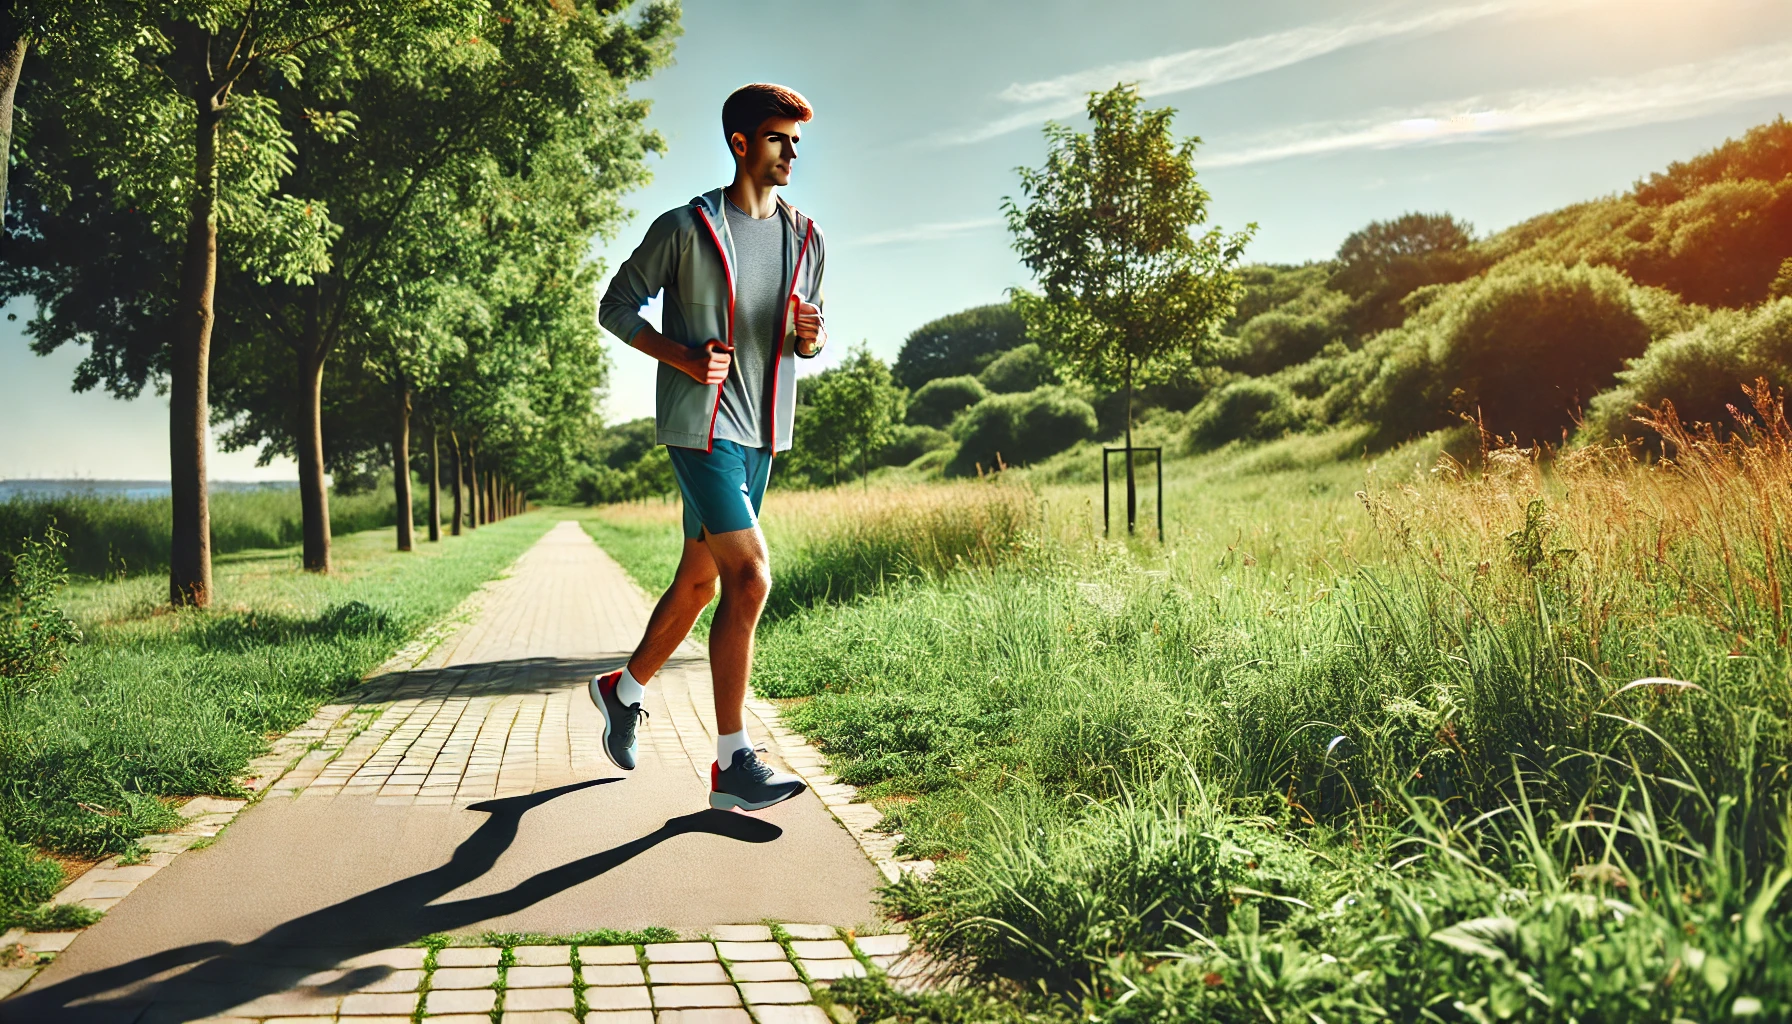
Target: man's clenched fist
[
  {"x": 811, "y": 330},
  {"x": 709, "y": 364}
]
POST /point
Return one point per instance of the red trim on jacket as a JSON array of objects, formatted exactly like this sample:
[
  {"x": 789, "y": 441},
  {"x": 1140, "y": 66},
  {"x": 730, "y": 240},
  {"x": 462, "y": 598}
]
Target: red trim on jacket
[
  {"x": 727, "y": 274},
  {"x": 778, "y": 349}
]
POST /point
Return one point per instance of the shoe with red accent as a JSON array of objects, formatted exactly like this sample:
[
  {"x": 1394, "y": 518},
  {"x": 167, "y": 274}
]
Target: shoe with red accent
[
  {"x": 620, "y": 719},
  {"x": 750, "y": 784}
]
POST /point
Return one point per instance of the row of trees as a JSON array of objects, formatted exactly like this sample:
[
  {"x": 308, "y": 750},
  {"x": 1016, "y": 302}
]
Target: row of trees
[{"x": 323, "y": 224}]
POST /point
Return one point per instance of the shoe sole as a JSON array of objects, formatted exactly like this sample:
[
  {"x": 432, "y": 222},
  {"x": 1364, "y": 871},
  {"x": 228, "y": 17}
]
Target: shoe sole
[
  {"x": 730, "y": 802},
  {"x": 603, "y": 709}
]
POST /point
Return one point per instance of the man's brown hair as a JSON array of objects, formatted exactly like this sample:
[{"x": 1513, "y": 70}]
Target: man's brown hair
[{"x": 748, "y": 106}]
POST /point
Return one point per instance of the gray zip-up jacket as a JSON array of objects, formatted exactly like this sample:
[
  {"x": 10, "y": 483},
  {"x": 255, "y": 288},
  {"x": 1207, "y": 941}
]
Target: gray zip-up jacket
[{"x": 689, "y": 252}]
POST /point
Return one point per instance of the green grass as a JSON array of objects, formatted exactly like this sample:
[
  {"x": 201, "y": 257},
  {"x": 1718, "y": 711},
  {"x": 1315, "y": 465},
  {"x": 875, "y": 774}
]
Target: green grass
[
  {"x": 1329, "y": 755},
  {"x": 114, "y": 536},
  {"x": 155, "y": 704}
]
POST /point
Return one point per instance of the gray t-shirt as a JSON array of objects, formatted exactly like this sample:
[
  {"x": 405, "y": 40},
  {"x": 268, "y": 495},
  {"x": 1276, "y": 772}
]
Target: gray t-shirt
[{"x": 759, "y": 280}]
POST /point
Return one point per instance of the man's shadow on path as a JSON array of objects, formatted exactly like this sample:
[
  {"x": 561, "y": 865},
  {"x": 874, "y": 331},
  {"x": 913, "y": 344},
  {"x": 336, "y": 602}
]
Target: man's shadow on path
[{"x": 227, "y": 974}]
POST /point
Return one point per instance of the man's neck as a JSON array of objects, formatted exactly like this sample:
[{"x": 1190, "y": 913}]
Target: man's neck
[{"x": 751, "y": 198}]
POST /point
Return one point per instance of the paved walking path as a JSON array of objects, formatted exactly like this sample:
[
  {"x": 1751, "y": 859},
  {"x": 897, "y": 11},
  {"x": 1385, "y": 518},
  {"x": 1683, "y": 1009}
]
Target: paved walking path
[{"x": 468, "y": 795}]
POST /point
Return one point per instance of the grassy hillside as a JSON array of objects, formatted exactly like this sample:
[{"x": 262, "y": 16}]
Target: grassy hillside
[{"x": 1553, "y": 331}]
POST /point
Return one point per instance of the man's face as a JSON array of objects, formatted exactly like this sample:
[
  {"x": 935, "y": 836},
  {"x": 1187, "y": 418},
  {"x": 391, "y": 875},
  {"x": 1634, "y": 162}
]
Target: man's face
[{"x": 768, "y": 156}]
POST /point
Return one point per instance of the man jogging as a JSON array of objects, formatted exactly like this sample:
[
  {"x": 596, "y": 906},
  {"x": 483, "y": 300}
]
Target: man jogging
[{"x": 741, "y": 270}]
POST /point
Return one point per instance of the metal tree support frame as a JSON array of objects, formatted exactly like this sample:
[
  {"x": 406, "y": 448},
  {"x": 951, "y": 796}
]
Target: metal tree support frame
[{"x": 1158, "y": 453}]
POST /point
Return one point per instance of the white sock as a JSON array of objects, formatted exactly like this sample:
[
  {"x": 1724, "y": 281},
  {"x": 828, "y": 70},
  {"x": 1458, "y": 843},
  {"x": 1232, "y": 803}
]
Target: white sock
[
  {"x": 627, "y": 690},
  {"x": 727, "y": 745}
]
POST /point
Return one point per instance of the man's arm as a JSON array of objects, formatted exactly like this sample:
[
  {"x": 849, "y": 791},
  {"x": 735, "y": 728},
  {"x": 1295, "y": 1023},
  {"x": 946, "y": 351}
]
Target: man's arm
[
  {"x": 647, "y": 271},
  {"x": 811, "y": 325},
  {"x": 705, "y": 365}
]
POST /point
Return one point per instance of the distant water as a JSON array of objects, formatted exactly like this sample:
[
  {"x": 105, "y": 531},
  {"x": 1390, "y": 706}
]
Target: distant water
[{"x": 133, "y": 489}]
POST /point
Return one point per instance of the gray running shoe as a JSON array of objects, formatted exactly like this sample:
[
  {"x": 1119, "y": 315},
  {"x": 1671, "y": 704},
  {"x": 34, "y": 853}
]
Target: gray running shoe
[
  {"x": 619, "y": 719},
  {"x": 749, "y": 784}
]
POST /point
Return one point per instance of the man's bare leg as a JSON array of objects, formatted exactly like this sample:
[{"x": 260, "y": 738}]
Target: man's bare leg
[
  {"x": 744, "y": 568},
  {"x": 693, "y": 587}
]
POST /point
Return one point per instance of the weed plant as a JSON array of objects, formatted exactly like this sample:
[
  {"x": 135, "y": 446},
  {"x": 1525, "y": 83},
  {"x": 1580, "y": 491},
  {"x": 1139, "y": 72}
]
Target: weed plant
[{"x": 1500, "y": 744}]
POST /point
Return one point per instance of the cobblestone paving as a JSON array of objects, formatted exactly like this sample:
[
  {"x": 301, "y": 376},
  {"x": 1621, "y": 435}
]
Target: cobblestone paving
[{"x": 735, "y": 974}]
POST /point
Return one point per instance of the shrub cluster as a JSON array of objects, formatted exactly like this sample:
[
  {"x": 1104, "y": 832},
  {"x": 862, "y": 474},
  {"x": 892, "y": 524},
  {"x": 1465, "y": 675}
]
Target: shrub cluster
[{"x": 1017, "y": 429}]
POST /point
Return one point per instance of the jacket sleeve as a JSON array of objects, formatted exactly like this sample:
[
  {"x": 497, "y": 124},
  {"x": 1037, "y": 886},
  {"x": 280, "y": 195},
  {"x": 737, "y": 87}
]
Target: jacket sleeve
[
  {"x": 651, "y": 267},
  {"x": 821, "y": 266}
]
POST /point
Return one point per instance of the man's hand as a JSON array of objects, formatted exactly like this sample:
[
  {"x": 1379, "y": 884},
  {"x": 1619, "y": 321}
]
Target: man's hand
[
  {"x": 811, "y": 330},
  {"x": 709, "y": 364}
]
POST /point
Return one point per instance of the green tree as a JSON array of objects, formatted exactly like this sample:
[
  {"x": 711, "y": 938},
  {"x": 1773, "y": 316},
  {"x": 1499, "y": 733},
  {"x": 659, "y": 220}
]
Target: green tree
[
  {"x": 1128, "y": 291},
  {"x": 491, "y": 154},
  {"x": 174, "y": 107},
  {"x": 1385, "y": 261},
  {"x": 857, "y": 409}
]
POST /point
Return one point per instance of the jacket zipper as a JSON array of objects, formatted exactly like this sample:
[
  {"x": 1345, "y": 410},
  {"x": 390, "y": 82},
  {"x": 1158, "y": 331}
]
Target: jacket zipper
[
  {"x": 778, "y": 351},
  {"x": 728, "y": 274}
]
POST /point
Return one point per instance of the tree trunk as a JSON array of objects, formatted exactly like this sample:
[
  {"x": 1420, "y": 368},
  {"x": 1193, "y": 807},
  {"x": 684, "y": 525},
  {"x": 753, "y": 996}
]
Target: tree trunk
[
  {"x": 473, "y": 517},
  {"x": 460, "y": 481},
  {"x": 1132, "y": 493},
  {"x": 435, "y": 484},
  {"x": 12, "y": 60},
  {"x": 401, "y": 468},
  {"x": 314, "y": 496},
  {"x": 190, "y": 561}
]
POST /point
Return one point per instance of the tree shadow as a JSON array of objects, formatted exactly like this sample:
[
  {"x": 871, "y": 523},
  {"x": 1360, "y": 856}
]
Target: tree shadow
[
  {"x": 221, "y": 976},
  {"x": 482, "y": 679}
]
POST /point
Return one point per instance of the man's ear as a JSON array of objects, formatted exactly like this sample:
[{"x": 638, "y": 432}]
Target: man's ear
[{"x": 737, "y": 144}]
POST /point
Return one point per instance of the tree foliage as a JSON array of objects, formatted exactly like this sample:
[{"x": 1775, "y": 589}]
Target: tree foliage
[
  {"x": 1107, "y": 226},
  {"x": 857, "y": 407}
]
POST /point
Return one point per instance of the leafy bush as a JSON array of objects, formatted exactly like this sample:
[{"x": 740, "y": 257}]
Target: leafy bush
[
  {"x": 960, "y": 344},
  {"x": 910, "y": 443},
  {"x": 1019, "y": 369},
  {"x": 1018, "y": 429},
  {"x": 1524, "y": 347},
  {"x": 1279, "y": 339},
  {"x": 935, "y": 403},
  {"x": 1699, "y": 370},
  {"x": 1384, "y": 262},
  {"x": 1253, "y": 409}
]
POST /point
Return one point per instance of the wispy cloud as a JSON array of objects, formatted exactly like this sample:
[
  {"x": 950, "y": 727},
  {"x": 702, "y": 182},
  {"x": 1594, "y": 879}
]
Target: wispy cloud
[
  {"x": 1603, "y": 104},
  {"x": 1211, "y": 65},
  {"x": 931, "y": 232}
]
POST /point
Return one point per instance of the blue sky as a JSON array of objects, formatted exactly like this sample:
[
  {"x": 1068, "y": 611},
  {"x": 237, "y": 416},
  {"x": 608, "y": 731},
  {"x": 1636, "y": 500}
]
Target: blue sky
[{"x": 1317, "y": 116}]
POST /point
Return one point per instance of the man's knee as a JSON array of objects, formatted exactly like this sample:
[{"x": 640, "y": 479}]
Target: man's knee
[{"x": 750, "y": 581}]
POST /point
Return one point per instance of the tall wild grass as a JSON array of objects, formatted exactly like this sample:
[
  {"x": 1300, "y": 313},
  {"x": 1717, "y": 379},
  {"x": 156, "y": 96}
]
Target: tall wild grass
[{"x": 116, "y": 535}]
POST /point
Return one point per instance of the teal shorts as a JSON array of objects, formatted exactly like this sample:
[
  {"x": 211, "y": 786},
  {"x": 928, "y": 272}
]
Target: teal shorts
[{"x": 722, "y": 488}]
